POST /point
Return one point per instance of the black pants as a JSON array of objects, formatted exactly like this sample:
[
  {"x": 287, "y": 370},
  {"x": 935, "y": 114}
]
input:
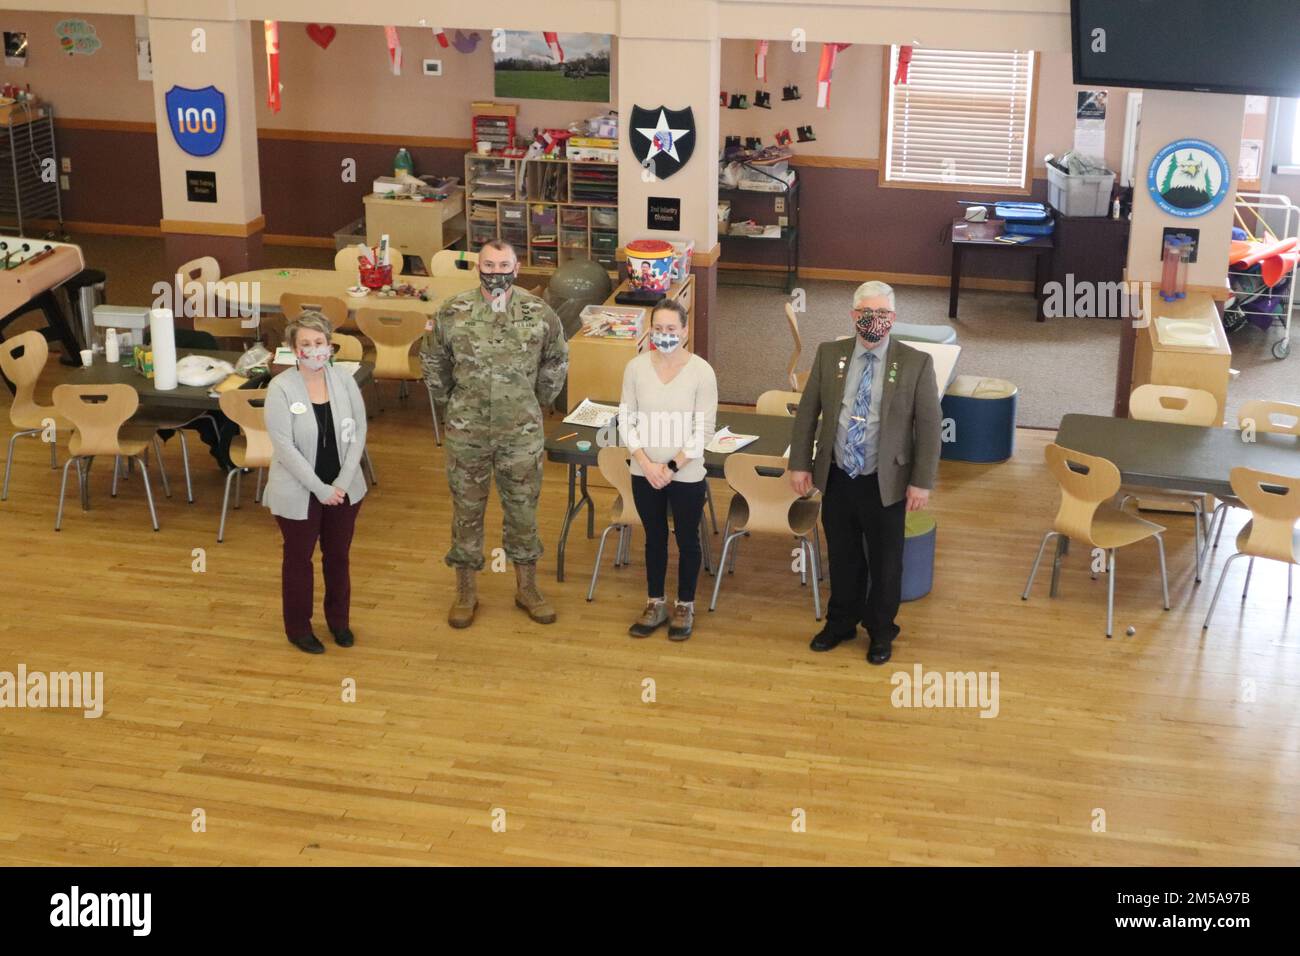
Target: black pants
[
  {"x": 851, "y": 511},
  {"x": 686, "y": 499},
  {"x": 217, "y": 438}
]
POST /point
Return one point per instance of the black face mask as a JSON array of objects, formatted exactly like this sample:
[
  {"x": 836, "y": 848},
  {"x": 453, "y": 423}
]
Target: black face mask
[{"x": 496, "y": 282}]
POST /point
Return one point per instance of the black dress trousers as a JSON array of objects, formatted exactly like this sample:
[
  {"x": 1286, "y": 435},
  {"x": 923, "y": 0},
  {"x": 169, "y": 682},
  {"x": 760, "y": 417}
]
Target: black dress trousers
[{"x": 852, "y": 516}]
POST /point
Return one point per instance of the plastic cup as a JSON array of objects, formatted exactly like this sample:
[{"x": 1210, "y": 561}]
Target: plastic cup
[
  {"x": 583, "y": 445},
  {"x": 87, "y": 357}
]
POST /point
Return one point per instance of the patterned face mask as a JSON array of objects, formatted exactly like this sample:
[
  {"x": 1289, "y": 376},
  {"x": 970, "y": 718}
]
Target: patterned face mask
[
  {"x": 873, "y": 324},
  {"x": 314, "y": 358},
  {"x": 496, "y": 282},
  {"x": 665, "y": 342}
]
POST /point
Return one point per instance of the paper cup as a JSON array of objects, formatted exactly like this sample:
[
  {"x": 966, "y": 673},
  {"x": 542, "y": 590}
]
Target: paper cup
[
  {"x": 87, "y": 357},
  {"x": 484, "y": 147}
]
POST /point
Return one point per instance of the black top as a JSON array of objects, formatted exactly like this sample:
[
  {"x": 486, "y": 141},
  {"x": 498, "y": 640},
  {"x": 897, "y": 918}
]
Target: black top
[{"x": 327, "y": 452}]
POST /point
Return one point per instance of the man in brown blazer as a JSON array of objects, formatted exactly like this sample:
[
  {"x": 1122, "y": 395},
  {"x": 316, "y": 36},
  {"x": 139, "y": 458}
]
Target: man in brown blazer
[{"x": 876, "y": 457}]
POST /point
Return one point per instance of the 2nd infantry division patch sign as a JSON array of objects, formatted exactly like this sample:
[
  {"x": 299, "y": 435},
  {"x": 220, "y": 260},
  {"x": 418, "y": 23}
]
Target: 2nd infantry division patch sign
[{"x": 662, "y": 140}]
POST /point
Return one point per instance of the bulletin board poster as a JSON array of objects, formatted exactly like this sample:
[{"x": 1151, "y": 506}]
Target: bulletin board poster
[
  {"x": 552, "y": 66},
  {"x": 77, "y": 37}
]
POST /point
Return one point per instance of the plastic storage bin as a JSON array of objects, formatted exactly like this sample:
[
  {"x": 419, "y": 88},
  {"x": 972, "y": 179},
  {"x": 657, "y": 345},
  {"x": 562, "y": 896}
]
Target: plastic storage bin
[{"x": 1079, "y": 195}]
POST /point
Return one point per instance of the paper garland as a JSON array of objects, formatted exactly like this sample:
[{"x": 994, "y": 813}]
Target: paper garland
[
  {"x": 441, "y": 34},
  {"x": 904, "y": 61},
  {"x": 760, "y": 61}
]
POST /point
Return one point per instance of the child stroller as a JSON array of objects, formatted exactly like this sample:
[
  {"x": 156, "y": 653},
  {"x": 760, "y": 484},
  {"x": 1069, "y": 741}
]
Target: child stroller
[{"x": 1261, "y": 272}]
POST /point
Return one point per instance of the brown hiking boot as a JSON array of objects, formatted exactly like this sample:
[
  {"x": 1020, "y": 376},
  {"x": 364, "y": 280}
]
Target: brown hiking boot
[
  {"x": 462, "y": 612},
  {"x": 528, "y": 597},
  {"x": 652, "y": 618},
  {"x": 683, "y": 621}
]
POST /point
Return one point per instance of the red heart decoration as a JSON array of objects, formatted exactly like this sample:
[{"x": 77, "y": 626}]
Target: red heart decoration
[{"x": 322, "y": 34}]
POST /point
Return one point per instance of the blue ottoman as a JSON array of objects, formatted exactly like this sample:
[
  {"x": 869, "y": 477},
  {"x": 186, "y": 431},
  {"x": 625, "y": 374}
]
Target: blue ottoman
[
  {"x": 918, "y": 555},
  {"x": 979, "y": 419}
]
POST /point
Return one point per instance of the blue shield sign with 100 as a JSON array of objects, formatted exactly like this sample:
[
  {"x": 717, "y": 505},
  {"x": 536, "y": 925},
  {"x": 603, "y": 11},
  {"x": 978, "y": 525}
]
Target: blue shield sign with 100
[{"x": 197, "y": 118}]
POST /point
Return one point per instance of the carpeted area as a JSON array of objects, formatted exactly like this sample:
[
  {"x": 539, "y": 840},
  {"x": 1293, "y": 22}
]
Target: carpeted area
[{"x": 1061, "y": 365}]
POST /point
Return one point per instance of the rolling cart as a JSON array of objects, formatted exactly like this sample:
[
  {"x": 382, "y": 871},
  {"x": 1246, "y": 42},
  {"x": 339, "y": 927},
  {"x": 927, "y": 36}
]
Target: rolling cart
[{"x": 1253, "y": 301}]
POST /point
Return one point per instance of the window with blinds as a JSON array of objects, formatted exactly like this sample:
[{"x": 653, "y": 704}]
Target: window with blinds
[{"x": 962, "y": 118}]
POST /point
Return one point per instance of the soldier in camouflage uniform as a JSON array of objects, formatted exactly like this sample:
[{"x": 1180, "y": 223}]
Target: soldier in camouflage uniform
[{"x": 497, "y": 357}]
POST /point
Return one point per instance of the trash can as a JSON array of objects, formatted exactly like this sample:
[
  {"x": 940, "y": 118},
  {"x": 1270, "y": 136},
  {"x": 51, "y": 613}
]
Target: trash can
[
  {"x": 979, "y": 419},
  {"x": 918, "y": 555}
]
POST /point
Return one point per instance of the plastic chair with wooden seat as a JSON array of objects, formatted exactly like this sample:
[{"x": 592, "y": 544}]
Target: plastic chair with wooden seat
[
  {"x": 99, "y": 415},
  {"x": 23, "y": 358},
  {"x": 1271, "y": 533},
  {"x": 1262, "y": 417},
  {"x": 767, "y": 504},
  {"x": 331, "y": 306},
  {"x": 249, "y": 450},
  {"x": 778, "y": 402},
  {"x": 445, "y": 262},
  {"x": 1087, "y": 481},
  {"x": 797, "y": 379},
  {"x": 394, "y": 334},
  {"x": 1175, "y": 405}
]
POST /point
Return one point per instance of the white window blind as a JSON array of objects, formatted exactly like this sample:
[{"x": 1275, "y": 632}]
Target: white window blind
[{"x": 962, "y": 117}]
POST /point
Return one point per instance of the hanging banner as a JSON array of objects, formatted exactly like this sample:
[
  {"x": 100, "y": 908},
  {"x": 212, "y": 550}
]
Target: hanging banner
[
  {"x": 760, "y": 61},
  {"x": 553, "y": 42},
  {"x": 824, "y": 71},
  {"x": 394, "y": 49},
  {"x": 272, "y": 29},
  {"x": 441, "y": 36}
]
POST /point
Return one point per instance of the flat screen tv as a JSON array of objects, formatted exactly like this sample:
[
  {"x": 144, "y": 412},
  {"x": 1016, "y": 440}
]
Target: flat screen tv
[{"x": 1208, "y": 46}]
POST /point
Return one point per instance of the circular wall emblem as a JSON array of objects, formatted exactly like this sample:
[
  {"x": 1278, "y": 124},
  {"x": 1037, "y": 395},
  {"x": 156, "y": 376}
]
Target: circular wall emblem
[{"x": 1189, "y": 177}]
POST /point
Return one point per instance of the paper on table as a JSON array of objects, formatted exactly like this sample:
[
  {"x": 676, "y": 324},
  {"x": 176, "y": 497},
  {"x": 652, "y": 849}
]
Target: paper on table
[
  {"x": 284, "y": 356},
  {"x": 350, "y": 367},
  {"x": 726, "y": 441},
  {"x": 591, "y": 414}
]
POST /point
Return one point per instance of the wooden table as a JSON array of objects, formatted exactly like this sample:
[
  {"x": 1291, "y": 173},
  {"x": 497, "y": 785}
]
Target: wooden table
[
  {"x": 982, "y": 235},
  {"x": 269, "y": 284},
  {"x": 773, "y": 433},
  {"x": 187, "y": 397}
]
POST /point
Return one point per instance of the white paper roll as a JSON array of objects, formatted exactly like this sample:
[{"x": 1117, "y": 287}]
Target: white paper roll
[
  {"x": 162, "y": 339},
  {"x": 110, "y": 347}
]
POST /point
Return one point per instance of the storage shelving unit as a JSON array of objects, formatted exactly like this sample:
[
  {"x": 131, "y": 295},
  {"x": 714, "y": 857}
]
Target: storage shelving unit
[
  {"x": 25, "y": 145},
  {"x": 552, "y": 210},
  {"x": 743, "y": 200}
]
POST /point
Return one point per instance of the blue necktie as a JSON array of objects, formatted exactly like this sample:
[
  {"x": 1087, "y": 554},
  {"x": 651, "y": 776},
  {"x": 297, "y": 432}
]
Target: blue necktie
[{"x": 856, "y": 450}]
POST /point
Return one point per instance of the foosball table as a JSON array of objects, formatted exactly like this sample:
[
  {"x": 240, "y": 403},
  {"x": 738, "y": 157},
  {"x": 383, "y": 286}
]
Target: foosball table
[{"x": 30, "y": 272}]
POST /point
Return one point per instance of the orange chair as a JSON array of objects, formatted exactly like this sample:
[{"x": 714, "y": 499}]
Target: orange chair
[
  {"x": 1086, "y": 481},
  {"x": 767, "y": 503},
  {"x": 1271, "y": 533},
  {"x": 23, "y": 359}
]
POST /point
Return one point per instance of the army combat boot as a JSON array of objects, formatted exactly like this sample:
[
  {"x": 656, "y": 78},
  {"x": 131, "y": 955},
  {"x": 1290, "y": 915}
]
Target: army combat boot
[
  {"x": 462, "y": 612},
  {"x": 529, "y": 598}
]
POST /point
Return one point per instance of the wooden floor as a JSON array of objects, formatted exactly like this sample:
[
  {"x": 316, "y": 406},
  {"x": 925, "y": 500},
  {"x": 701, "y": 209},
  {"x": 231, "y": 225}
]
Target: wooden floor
[{"x": 1167, "y": 747}]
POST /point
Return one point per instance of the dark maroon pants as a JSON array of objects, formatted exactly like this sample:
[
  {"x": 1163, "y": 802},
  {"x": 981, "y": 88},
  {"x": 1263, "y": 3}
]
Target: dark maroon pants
[{"x": 333, "y": 526}]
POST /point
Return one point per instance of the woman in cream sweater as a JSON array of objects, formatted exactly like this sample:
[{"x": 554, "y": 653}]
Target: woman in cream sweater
[{"x": 667, "y": 416}]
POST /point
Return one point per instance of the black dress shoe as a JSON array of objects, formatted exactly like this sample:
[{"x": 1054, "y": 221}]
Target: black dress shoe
[
  {"x": 308, "y": 643},
  {"x": 828, "y": 639},
  {"x": 879, "y": 653},
  {"x": 343, "y": 637}
]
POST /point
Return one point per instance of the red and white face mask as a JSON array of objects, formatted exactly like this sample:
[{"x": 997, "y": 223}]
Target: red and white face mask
[
  {"x": 873, "y": 324},
  {"x": 314, "y": 357}
]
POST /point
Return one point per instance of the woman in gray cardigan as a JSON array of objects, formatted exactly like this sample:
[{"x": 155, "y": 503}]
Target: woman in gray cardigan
[{"x": 317, "y": 422}]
